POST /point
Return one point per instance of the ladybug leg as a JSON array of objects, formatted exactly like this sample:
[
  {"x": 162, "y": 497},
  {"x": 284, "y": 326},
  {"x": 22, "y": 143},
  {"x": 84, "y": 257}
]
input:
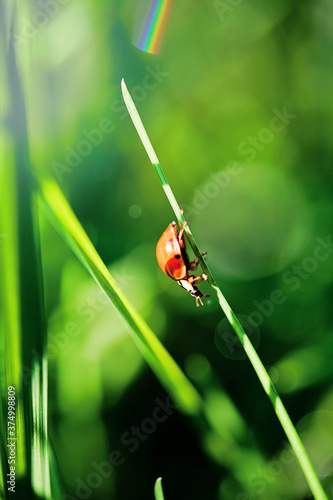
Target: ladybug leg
[
  {"x": 197, "y": 279},
  {"x": 198, "y": 299},
  {"x": 194, "y": 263}
]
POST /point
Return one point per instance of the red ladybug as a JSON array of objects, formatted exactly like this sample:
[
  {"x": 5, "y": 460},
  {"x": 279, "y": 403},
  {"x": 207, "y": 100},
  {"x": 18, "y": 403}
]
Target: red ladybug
[{"x": 173, "y": 260}]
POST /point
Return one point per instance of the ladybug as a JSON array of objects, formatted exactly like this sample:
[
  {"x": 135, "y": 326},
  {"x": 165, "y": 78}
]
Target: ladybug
[{"x": 173, "y": 260}]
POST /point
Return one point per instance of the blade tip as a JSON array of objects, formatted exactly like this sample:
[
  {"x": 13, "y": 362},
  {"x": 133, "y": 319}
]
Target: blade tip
[{"x": 123, "y": 85}]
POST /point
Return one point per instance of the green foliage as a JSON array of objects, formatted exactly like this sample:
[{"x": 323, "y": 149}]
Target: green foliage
[{"x": 239, "y": 108}]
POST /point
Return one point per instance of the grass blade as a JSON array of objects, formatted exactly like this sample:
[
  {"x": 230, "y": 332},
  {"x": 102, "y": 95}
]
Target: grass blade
[
  {"x": 160, "y": 361},
  {"x": 258, "y": 366},
  {"x": 23, "y": 330},
  {"x": 158, "y": 490},
  {"x": 162, "y": 364},
  {"x": 150, "y": 151}
]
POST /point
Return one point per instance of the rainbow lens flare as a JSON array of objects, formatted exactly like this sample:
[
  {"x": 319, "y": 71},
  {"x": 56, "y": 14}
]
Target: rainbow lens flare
[{"x": 149, "y": 24}]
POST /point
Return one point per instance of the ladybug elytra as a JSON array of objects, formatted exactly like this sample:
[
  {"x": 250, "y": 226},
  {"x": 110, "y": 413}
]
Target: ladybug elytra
[{"x": 173, "y": 260}]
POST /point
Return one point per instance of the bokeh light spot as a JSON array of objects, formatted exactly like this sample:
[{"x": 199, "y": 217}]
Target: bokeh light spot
[
  {"x": 135, "y": 211},
  {"x": 273, "y": 373}
]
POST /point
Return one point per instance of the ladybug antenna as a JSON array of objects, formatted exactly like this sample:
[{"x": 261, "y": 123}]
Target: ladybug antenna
[{"x": 182, "y": 228}]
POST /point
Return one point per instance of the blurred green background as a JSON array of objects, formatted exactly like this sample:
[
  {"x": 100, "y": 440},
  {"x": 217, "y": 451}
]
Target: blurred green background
[{"x": 238, "y": 105}]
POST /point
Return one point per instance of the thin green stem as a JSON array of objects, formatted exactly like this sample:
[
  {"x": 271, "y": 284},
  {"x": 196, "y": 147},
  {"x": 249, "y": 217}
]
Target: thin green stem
[{"x": 280, "y": 410}]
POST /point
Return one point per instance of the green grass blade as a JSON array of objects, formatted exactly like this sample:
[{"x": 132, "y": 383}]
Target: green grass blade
[
  {"x": 23, "y": 365},
  {"x": 259, "y": 368},
  {"x": 162, "y": 364},
  {"x": 160, "y": 361},
  {"x": 10, "y": 327},
  {"x": 158, "y": 490},
  {"x": 150, "y": 150},
  {"x": 23, "y": 332}
]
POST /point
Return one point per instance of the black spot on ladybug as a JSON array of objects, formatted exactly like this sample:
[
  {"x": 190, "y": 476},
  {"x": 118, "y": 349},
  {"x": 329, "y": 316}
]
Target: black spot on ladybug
[{"x": 177, "y": 256}]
